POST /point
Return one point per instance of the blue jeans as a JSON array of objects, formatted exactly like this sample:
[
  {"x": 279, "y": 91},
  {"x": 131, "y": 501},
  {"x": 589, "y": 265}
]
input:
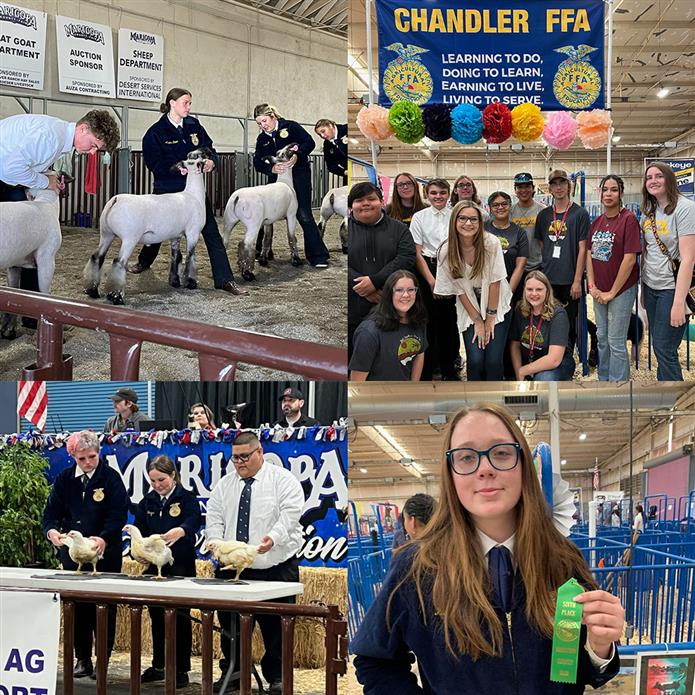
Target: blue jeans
[
  {"x": 665, "y": 338},
  {"x": 612, "y": 321},
  {"x": 486, "y": 364},
  {"x": 563, "y": 372}
]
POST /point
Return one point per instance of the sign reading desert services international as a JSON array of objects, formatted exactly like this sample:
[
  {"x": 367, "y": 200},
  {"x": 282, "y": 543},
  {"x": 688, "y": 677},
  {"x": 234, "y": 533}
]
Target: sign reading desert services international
[
  {"x": 547, "y": 52},
  {"x": 85, "y": 57},
  {"x": 22, "y": 47},
  {"x": 140, "y": 65}
]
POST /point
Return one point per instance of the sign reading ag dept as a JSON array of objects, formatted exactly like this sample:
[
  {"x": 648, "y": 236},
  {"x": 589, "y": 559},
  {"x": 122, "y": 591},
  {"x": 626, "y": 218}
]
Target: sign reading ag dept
[{"x": 538, "y": 51}]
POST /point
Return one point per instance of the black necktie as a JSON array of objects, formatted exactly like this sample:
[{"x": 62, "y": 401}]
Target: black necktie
[
  {"x": 242, "y": 521},
  {"x": 502, "y": 575},
  {"x": 180, "y": 129},
  {"x": 85, "y": 482}
]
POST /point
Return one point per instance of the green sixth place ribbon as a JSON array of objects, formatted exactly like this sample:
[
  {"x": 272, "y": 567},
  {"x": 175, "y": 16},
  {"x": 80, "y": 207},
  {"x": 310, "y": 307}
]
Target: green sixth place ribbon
[{"x": 566, "y": 629}]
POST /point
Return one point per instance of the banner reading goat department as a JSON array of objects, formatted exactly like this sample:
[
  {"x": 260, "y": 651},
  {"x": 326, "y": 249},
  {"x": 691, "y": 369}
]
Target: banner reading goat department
[
  {"x": 538, "y": 51},
  {"x": 320, "y": 466}
]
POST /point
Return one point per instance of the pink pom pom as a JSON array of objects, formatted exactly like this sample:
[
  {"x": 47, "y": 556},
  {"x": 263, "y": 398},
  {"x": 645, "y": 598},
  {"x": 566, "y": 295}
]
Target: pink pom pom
[
  {"x": 373, "y": 122},
  {"x": 594, "y": 128},
  {"x": 560, "y": 130}
]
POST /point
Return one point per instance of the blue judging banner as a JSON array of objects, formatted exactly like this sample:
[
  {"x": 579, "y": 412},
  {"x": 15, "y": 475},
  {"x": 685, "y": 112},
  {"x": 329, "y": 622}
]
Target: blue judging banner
[
  {"x": 319, "y": 465},
  {"x": 538, "y": 51}
]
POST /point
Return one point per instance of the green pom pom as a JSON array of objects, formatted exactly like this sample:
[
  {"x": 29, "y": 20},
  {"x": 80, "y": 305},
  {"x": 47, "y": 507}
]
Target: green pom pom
[{"x": 405, "y": 118}]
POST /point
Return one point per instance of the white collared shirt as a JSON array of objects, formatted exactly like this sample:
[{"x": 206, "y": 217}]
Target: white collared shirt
[
  {"x": 277, "y": 502},
  {"x": 79, "y": 473},
  {"x": 176, "y": 125},
  {"x": 430, "y": 228}
]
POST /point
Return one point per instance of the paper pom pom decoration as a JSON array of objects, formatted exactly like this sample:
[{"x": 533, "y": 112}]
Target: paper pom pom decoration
[
  {"x": 594, "y": 128},
  {"x": 373, "y": 122},
  {"x": 466, "y": 124},
  {"x": 527, "y": 122},
  {"x": 560, "y": 130},
  {"x": 405, "y": 118},
  {"x": 437, "y": 120},
  {"x": 497, "y": 123}
]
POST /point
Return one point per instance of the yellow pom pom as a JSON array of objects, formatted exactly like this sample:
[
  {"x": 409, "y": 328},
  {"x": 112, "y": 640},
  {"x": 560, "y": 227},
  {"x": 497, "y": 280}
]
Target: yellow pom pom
[{"x": 527, "y": 122}]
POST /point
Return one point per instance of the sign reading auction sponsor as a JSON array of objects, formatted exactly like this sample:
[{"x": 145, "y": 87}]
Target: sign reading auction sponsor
[
  {"x": 453, "y": 52},
  {"x": 22, "y": 47},
  {"x": 29, "y": 633},
  {"x": 684, "y": 169},
  {"x": 85, "y": 57},
  {"x": 140, "y": 65}
]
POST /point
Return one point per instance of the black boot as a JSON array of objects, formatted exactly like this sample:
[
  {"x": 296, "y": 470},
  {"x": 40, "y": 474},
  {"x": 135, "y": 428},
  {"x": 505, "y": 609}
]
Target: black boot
[{"x": 83, "y": 668}]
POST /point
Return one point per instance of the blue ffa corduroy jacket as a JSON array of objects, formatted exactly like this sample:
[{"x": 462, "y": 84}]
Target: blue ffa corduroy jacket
[
  {"x": 269, "y": 143},
  {"x": 181, "y": 509},
  {"x": 383, "y": 655},
  {"x": 335, "y": 154},
  {"x": 102, "y": 512},
  {"x": 162, "y": 147}
]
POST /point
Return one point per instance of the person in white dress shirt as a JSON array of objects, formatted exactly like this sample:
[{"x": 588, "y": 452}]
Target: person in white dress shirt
[{"x": 272, "y": 524}]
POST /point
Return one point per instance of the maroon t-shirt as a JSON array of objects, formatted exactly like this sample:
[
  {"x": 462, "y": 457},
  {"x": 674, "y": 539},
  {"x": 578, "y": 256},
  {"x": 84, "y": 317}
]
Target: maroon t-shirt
[{"x": 609, "y": 240}]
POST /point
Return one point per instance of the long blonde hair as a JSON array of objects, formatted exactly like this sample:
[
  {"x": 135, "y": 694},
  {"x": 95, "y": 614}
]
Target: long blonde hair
[
  {"x": 450, "y": 567},
  {"x": 549, "y": 303},
  {"x": 455, "y": 256}
]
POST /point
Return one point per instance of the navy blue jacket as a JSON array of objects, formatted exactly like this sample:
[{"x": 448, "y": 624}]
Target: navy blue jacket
[
  {"x": 162, "y": 147},
  {"x": 103, "y": 511},
  {"x": 181, "y": 509},
  {"x": 384, "y": 655},
  {"x": 269, "y": 143},
  {"x": 335, "y": 155}
]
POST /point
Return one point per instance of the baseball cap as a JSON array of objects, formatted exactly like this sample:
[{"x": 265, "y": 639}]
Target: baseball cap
[
  {"x": 291, "y": 393},
  {"x": 125, "y": 394},
  {"x": 558, "y": 174},
  {"x": 523, "y": 177}
]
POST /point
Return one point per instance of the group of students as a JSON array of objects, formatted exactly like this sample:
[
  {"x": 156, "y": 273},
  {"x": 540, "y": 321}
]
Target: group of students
[
  {"x": 510, "y": 282},
  {"x": 89, "y": 496}
]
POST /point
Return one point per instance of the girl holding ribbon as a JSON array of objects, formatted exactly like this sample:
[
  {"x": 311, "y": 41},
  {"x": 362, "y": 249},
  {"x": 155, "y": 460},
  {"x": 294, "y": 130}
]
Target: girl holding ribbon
[{"x": 474, "y": 597}]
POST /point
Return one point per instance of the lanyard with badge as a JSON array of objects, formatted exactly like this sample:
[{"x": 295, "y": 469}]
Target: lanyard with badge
[
  {"x": 532, "y": 336},
  {"x": 556, "y": 248}
]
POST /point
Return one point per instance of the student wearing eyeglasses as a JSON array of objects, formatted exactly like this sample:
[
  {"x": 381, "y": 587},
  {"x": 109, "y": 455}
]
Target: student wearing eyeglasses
[
  {"x": 406, "y": 199},
  {"x": 473, "y": 598},
  {"x": 259, "y": 504},
  {"x": 390, "y": 344}
]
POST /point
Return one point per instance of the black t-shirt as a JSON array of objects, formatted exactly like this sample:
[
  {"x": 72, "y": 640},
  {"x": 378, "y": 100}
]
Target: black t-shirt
[
  {"x": 553, "y": 332},
  {"x": 514, "y": 243},
  {"x": 387, "y": 355}
]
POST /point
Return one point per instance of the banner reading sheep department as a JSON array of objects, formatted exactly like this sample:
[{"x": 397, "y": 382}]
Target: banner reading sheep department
[
  {"x": 22, "y": 47},
  {"x": 539, "y": 51},
  {"x": 320, "y": 466},
  {"x": 140, "y": 65}
]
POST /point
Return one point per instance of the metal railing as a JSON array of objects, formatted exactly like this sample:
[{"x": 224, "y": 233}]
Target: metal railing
[
  {"x": 219, "y": 349},
  {"x": 335, "y": 641}
]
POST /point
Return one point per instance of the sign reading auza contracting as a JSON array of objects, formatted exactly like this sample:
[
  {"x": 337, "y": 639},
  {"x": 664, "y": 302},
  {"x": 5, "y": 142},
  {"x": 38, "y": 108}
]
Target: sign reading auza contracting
[{"x": 539, "y": 51}]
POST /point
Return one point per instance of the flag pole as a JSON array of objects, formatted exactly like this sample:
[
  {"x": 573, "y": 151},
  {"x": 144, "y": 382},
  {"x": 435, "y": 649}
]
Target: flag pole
[
  {"x": 370, "y": 80},
  {"x": 609, "y": 74}
]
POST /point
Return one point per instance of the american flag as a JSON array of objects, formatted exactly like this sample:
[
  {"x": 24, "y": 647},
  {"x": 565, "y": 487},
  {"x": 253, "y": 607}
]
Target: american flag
[
  {"x": 597, "y": 479},
  {"x": 32, "y": 402}
]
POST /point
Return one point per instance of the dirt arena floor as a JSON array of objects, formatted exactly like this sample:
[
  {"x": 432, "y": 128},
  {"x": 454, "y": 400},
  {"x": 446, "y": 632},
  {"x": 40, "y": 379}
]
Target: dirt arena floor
[{"x": 303, "y": 303}]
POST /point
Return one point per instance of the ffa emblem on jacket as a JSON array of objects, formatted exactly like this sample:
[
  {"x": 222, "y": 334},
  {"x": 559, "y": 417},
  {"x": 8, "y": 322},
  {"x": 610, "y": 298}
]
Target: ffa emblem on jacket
[
  {"x": 175, "y": 509},
  {"x": 194, "y": 139},
  {"x": 284, "y": 133},
  {"x": 344, "y": 140},
  {"x": 98, "y": 495}
]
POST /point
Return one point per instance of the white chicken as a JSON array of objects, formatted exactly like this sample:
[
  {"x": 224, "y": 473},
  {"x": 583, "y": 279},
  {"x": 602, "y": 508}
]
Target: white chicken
[
  {"x": 82, "y": 550},
  {"x": 233, "y": 555},
  {"x": 153, "y": 549}
]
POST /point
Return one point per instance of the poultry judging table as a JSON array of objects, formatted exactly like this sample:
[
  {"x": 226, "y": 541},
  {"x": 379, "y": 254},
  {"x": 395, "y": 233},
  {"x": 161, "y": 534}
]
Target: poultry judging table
[{"x": 183, "y": 588}]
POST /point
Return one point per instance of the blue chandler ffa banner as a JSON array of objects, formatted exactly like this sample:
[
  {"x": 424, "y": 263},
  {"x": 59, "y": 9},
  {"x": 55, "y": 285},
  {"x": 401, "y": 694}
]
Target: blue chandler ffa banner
[
  {"x": 319, "y": 465},
  {"x": 448, "y": 52}
]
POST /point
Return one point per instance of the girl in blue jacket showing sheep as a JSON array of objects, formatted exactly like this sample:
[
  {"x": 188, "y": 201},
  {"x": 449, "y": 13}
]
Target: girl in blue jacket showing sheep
[{"x": 473, "y": 598}]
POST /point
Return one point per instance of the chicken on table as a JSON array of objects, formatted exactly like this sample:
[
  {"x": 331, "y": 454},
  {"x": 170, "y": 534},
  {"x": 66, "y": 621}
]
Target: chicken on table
[
  {"x": 233, "y": 555},
  {"x": 152, "y": 550},
  {"x": 83, "y": 551}
]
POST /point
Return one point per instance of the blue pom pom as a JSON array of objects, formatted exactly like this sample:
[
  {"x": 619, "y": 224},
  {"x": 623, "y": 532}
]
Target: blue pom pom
[{"x": 466, "y": 124}]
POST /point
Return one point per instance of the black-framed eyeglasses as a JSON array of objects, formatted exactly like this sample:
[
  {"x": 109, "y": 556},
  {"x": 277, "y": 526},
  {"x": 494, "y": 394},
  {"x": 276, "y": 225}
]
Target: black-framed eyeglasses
[
  {"x": 502, "y": 457},
  {"x": 464, "y": 185},
  {"x": 500, "y": 205},
  {"x": 243, "y": 458}
]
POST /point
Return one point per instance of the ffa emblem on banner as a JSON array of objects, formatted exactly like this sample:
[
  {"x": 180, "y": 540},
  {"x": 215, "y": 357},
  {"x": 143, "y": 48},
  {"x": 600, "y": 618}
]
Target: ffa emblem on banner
[
  {"x": 284, "y": 133},
  {"x": 175, "y": 509},
  {"x": 576, "y": 84},
  {"x": 405, "y": 77},
  {"x": 98, "y": 495},
  {"x": 194, "y": 139}
]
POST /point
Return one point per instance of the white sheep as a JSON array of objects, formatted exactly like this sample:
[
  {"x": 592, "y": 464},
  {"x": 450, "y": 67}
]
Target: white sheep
[
  {"x": 335, "y": 203},
  {"x": 29, "y": 237},
  {"x": 260, "y": 206},
  {"x": 151, "y": 219}
]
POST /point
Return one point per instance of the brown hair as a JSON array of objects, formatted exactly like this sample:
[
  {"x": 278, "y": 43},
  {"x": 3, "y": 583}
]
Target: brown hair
[
  {"x": 439, "y": 183},
  {"x": 103, "y": 126},
  {"x": 459, "y": 589},
  {"x": 163, "y": 464},
  {"x": 173, "y": 95},
  {"x": 266, "y": 110},
  {"x": 455, "y": 196},
  {"x": 455, "y": 256},
  {"x": 246, "y": 438},
  {"x": 208, "y": 413},
  {"x": 396, "y": 207},
  {"x": 323, "y": 122},
  {"x": 649, "y": 203},
  {"x": 619, "y": 182},
  {"x": 549, "y": 304}
]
